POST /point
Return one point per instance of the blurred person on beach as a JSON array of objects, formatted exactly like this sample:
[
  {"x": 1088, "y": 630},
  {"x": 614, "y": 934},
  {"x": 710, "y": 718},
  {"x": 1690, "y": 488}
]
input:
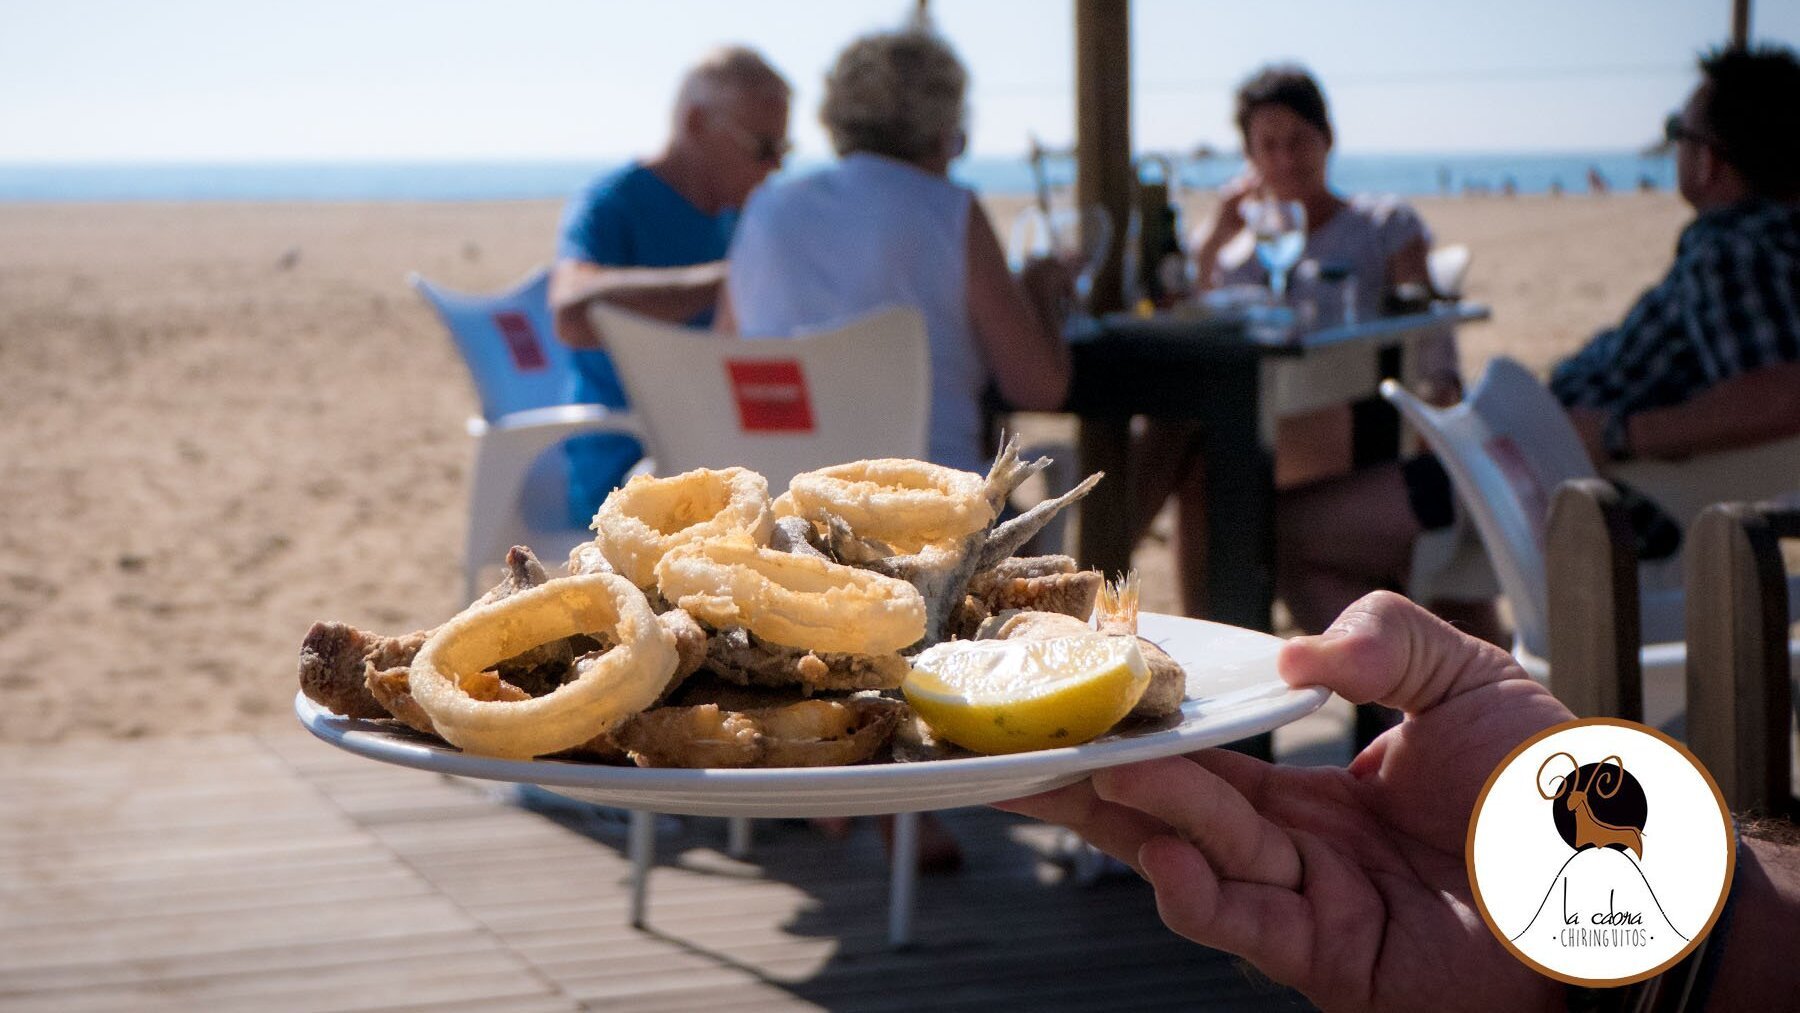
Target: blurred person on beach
[
  {"x": 1350, "y": 884},
  {"x": 1378, "y": 242},
  {"x": 651, "y": 237},
  {"x": 885, "y": 226},
  {"x": 1707, "y": 360}
]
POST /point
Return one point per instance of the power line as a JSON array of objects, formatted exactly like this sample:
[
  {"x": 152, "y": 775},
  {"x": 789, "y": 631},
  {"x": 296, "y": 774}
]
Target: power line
[{"x": 1338, "y": 81}]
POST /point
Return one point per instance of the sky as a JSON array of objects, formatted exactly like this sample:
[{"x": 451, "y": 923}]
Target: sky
[{"x": 406, "y": 80}]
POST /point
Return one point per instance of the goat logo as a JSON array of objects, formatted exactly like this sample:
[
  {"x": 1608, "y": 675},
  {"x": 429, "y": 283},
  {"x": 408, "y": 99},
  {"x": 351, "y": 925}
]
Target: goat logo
[
  {"x": 1628, "y": 872},
  {"x": 1580, "y": 799}
]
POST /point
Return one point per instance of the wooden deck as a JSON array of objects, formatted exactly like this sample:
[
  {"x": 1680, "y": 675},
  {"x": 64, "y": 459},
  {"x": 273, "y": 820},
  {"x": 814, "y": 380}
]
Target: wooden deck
[{"x": 277, "y": 873}]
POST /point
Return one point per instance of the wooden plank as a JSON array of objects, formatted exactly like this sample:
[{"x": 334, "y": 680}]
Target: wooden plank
[
  {"x": 493, "y": 977},
  {"x": 368, "y": 887},
  {"x": 177, "y": 935},
  {"x": 250, "y": 960},
  {"x": 1737, "y": 678},
  {"x": 1593, "y": 603},
  {"x": 1103, "y": 176}
]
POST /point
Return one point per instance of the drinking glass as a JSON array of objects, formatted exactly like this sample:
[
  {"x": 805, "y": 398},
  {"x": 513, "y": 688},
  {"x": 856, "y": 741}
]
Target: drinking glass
[
  {"x": 1078, "y": 237},
  {"x": 1083, "y": 237},
  {"x": 1279, "y": 227}
]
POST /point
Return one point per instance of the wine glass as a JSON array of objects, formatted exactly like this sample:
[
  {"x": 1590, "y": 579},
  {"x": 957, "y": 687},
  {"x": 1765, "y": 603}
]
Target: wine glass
[
  {"x": 1279, "y": 227},
  {"x": 1083, "y": 237},
  {"x": 1079, "y": 238},
  {"x": 1030, "y": 239}
]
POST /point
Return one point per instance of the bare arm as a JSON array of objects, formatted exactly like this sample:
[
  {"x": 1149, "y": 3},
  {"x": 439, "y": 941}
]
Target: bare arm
[
  {"x": 725, "y": 314},
  {"x": 1756, "y": 972},
  {"x": 1743, "y": 411},
  {"x": 674, "y": 294},
  {"x": 1019, "y": 330},
  {"x": 1407, "y": 266}
]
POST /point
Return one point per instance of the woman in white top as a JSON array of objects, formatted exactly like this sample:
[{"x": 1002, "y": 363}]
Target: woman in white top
[
  {"x": 1380, "y": 242},
  {"x": 885, "y": 226}
]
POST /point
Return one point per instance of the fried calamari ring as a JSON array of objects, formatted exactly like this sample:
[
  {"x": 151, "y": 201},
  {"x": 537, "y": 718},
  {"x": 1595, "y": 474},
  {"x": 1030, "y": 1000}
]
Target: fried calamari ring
[
  {"x": 902, "y": 502},
  {"x": 648, "y": 516},
  {"x": 605, "y": 690},
  {"x": 790, "y": 599}
]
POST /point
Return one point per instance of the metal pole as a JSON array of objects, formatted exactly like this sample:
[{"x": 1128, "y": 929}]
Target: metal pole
[
  {"x": 642, "y": 848},
  {"x": 904, "y": 865}
]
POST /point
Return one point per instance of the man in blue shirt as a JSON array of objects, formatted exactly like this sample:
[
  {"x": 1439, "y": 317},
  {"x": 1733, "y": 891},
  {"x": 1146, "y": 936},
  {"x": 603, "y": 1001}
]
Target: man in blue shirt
[{"x": 652, "y": 236}]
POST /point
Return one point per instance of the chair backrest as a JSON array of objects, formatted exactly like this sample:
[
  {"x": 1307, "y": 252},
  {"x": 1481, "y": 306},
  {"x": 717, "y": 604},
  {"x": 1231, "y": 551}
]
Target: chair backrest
[
  {"x": 508, "y": 343},
  {"x": 1506, "y": 447},
  {"x": 780, "y": 406}
]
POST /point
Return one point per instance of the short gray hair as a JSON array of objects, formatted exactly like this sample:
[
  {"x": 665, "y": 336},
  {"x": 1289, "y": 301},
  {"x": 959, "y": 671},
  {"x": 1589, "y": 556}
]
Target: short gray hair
[
  {"x": 894, "y": 94},
  {"x": 727, "y": 71}
]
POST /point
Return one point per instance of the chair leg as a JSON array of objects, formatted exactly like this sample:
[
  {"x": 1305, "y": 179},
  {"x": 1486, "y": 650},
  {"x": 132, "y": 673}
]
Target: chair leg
[
  {"x": 905, "y": 863},
  {"x": 642, "y": 848},
  {"x": 737, "y": 837}
]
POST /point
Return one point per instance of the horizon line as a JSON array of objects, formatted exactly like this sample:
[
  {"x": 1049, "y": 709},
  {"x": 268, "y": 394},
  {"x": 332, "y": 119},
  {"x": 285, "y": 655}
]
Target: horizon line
[{"x": 465, "y": 160}]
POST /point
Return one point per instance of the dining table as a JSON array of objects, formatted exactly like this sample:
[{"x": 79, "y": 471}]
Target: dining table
[{"x": 1234, "y": 375}]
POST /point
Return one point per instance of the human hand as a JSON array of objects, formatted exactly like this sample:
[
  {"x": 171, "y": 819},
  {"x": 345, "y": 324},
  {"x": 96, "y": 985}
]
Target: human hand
[
  {"x": 1347, "y": 884},
  {"x": 1589, "y": 423},
  {"x": 1228, "y": 220},
  {"x": 1442, "y": 390},
  {"x": 1048, "y": 282}
]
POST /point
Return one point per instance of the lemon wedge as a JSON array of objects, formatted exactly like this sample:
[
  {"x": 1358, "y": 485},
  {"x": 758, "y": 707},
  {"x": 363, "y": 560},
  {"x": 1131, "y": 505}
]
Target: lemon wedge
[{"x": 1010, "y": 696}]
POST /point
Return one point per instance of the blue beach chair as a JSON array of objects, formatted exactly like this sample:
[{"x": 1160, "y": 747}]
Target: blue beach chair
[{"x": 525, "y": 380}]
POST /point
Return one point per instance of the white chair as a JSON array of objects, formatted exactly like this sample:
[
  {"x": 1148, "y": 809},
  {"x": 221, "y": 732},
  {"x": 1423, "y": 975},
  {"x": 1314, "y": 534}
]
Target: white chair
[
  {"x": 1507, "y": 447},
  {"x": 524, "y": 378},
  {"x": 781, "y": 407}
]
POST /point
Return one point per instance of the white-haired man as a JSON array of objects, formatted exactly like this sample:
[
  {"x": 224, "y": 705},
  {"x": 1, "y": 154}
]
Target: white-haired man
[{"x": 652, "y": 236}]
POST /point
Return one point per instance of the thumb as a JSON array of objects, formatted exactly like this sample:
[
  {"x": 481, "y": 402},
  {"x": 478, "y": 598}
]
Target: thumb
[{"x": 1390, "y": 651}]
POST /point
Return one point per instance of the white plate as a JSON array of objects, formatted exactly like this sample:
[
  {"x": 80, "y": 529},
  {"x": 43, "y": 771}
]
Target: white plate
[{"x": 1233, "y": 693}]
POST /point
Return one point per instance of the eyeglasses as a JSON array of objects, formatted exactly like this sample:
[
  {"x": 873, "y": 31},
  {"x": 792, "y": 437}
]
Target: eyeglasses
[
  {"x": 767, "y": 150},
  {"x": 1676, "y": 130}
]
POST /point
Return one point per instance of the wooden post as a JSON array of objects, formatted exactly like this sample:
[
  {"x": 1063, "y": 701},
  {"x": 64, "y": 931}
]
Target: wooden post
[
  {"x": 1593, "y": 603},
  {"x": 1103, "y": 176},
  {"x": 1103, "y": 127},
  {"x": 1737, "y": 660},
  {"x": 1740, "y": 24}
]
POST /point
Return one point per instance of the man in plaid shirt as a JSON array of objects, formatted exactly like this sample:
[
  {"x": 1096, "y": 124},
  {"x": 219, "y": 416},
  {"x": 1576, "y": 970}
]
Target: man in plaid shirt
[
  {"x": 1696, "y": 366},
  {"x": 1708, "y": 360}
]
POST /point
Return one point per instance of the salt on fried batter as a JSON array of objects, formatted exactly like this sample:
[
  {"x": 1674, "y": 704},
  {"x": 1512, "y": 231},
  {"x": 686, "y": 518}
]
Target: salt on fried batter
[
  {"x": 737, "y": 655},
  {"x": 807, "y": 733}
]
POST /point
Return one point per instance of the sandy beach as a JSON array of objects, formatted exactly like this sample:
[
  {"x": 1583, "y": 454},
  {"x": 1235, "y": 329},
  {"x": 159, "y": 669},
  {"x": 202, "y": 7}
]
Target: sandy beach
[{"x": 222, "y": 422}]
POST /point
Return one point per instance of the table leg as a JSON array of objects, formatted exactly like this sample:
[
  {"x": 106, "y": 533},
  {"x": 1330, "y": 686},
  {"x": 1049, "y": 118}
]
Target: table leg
[
  {"x": 1375, "y": 438},
  {"x": 1240, "y": 517},
  {"x": 1105, "y": 514}
]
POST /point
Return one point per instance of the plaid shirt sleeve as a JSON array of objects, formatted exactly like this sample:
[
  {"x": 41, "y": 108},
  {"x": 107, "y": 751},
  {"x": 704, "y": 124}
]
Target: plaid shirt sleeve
[{"x": 1729, "y": 305}]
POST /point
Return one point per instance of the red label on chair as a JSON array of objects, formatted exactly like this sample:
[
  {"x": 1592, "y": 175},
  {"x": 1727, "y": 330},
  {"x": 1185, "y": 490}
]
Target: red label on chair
[
  {"x": 770, "y": 395},
  {"x": 521, "y": 341},
  {"x": 1524, "y": 481}
]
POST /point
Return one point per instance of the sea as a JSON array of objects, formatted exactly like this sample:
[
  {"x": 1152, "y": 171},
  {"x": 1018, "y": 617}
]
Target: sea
[{"x": 1408, "y": 175}]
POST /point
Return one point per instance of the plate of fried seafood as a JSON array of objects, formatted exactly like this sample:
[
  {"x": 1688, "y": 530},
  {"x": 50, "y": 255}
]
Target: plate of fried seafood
[{"x": 866, "y": 641}]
